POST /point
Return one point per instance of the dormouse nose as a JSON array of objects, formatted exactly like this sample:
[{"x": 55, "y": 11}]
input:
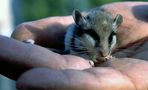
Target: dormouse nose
[{"x": 103, "y": 52}]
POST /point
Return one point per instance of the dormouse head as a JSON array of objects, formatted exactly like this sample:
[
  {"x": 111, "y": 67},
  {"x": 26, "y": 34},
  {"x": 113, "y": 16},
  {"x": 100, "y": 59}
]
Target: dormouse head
[{"x": 101, "y": 27}]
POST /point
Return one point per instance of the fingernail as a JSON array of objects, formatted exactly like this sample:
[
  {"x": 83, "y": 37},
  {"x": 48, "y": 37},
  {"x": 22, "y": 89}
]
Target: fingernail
[{"x": 91, "y": 63}]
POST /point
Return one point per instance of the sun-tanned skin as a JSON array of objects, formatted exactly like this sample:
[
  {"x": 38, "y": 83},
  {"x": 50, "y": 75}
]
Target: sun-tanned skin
[{"x": 127, "y": 73}]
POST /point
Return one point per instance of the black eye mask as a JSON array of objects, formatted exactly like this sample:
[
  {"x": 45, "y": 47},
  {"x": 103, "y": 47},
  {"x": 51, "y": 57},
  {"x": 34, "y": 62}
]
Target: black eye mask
[
  {"x": 111, "y": 37},
  {"x": 93, "y": 34}
]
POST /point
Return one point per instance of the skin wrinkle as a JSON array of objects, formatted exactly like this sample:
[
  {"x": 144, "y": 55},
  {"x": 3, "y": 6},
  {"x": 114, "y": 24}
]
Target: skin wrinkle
[
  {"x": 126, "y": 75},
  {"x": 145, "y": 84},
  {"x": 72, "y": 74},
  {"x": 130, "y": 80},
  {"x": 130, "y": 77},
  {"x": 133, "y": 78},
  {"x": 112, "y": 81},
  {"x": 94, "y": 76},
  {"x": 81, "y": 74},
  {"x": 66, "y": 77}
]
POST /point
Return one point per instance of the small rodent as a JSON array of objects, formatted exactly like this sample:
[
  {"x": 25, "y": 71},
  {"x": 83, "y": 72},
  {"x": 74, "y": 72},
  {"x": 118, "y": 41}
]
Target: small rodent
[{"x": 93, "y": 35}]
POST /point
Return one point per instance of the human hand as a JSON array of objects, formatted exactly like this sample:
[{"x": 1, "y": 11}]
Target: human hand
[
  {"x": 126, "y": 70},
  {"x": 130, "y": 74},
  {"x": 17, "y": 57}
]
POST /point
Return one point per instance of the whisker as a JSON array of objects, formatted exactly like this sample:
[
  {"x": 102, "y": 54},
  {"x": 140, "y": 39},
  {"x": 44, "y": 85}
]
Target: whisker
[
  {"x": 83, "y": 52},
  {"x": 120, "y": 49},
  {"x": 74, "y": 38},
  {"x": 77, "y": 47},
  {"x": 125, "y": 52}
]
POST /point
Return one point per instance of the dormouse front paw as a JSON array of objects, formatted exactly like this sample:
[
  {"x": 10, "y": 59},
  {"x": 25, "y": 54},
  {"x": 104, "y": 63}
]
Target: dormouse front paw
[{"x": 108, "y": 57}]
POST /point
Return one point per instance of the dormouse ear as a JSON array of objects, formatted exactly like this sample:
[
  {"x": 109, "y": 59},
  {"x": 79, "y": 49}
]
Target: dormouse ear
[
  {"x": 78, "y": 17},
  {"x": 118, "y": 20}
]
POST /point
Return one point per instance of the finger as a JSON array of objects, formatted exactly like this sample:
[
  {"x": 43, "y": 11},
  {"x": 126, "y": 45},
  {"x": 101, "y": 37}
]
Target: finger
[
  {"x": 134, "y": 69},
  {"x": 30, "y": 56},
  {"x": 120, "y": 63},
  {"x": 136, "y": 50},
  {"x": 48, "y": 32},
  {"x": 132, "y": 77},
  {"x": 74, "y": 62},
  {"x": 91, "y": 63},
  {"x": 90, "y": 79}
]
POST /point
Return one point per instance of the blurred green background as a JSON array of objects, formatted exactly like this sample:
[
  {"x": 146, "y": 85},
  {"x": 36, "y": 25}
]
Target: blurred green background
[
  {"x": 29, "y": 10},
  {"x": 37, "y": 9}
]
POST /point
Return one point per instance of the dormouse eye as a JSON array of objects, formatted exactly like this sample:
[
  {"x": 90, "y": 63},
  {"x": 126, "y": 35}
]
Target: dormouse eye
[
  {"x": 88, "y": 17},
  {"x": 96, "y": 44},
  {"x": 93, "y": 34},
  {"x": 112, "y": 39}
]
